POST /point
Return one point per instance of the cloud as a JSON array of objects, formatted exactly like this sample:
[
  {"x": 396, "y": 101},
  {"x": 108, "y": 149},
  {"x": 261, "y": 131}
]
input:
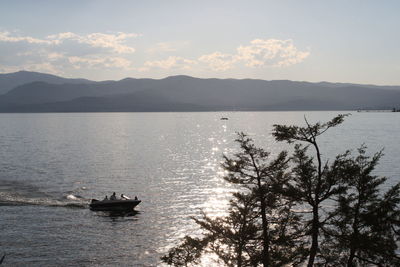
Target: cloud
[
  {"x": 102, "y": 40},
  {"x": 270, "y": 52},
  {"x": 43, "y": 67},
  {"x": 54, "y": 56},
  {"x": 218, "y": 61},
  {"x": 258, "y": 53},
  {"x": 114, "y": 42},
  {"x": 172, "y": 62},
  {"x": 6, "y": 37},
  {"x": 46, "y": 67},
  {"x": 39, "y": 59},
  {"x": 66, "y": 50},
  {"x": 99, "y": 62}
]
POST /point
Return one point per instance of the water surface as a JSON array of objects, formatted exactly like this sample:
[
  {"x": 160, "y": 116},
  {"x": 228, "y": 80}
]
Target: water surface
[{"x": 51, "y": 164}]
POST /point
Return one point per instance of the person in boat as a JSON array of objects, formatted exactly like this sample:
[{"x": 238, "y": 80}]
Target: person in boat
[
  {"x": 113, "y": 197},
  {"x": 106, "y": 198}
]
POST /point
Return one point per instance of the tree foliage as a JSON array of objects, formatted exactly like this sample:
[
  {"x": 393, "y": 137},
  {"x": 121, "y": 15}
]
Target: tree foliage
[
  {"x": 364, "y": 223},
  {"x": 313, "y": 181},
  {"x": 300, "y": 210}
]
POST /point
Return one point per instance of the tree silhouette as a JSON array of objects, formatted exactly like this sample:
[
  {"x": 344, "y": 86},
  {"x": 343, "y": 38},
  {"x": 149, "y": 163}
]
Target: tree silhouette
[
  {"x": 346, "y": 220},
  {"x": 312, "y": 183},
  {"x": 364, "y": 224},
  {"x": 260, "y": 227}
]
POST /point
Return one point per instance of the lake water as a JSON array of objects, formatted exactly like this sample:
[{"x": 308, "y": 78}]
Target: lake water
[{"x": 50, "y": 164}]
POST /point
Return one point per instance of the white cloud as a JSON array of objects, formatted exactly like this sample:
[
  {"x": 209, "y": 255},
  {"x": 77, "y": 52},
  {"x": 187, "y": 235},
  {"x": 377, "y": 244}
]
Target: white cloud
[
  {"x": 218, "y": 61},
  {"x": 259, "y": 53},
  {"x": 66, "y": 50},
  {"x": 46, "y": 67},
  {"x": 102, "y": 40},
  {"x": 56, "y": 63},
  {"x": 99, "y": 62},
  {"x": 114, "y": 42},
  {"x": 169, "y": 63},
  {"x": 110, "y": 41},
  {"x": 54, "y": 56},
  {"x": 43, "y": 67},
  {"x": 270, "y": 52},
  {"x": 6, "y": 37}
]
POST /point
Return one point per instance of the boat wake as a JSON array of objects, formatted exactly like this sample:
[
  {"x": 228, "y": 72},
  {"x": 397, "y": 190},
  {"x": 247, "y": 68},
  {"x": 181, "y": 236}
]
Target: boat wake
[
  {"x": 11, "y": 199},
  {"x": 16, "y": 194}
]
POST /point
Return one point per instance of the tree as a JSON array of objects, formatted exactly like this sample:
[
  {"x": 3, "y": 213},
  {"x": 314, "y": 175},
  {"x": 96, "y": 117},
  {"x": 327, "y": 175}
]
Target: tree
[
  {"x": 364, "y": 224},
  {"x": 261, "y": 227},
  {"x": 351, "y": 222},
  {"x": 234, "y": 238},
  {"x": 188, "y": 252},
  {"x": 266, "y": 178},
  {"x": 312, "y": 183}
]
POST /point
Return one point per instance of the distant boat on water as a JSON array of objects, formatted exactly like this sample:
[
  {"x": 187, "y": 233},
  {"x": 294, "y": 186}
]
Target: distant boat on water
[
  {"x": 114, "y": 205},
  {"x": 224, "y": 119}
]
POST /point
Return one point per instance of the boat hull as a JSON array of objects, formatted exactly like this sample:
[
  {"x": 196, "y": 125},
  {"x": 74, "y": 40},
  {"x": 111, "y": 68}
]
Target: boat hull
[{"x": 114, "y": 205}]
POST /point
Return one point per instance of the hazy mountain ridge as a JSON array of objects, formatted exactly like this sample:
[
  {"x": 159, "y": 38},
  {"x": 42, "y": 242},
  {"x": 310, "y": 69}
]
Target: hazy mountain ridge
[
  {"x": 185, "y": 93},
  {"x": 9, "y": 81}
]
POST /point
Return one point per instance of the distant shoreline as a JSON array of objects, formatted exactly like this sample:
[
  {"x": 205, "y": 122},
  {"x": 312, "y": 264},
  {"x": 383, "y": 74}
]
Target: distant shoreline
[{"x": 25, "y": 92}]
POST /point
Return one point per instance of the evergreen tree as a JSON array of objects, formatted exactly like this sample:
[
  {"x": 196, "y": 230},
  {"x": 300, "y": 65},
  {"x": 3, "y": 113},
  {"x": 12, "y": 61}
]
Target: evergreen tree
[
  {"x": 364, "y": 223},
  {"x": 312, "y": 182},
  {"x": 351, "y": 222},
  {"x": 232, "y": 238},
  {"x": 266, "y": 179},
  {"x": 261, "y": 227}
]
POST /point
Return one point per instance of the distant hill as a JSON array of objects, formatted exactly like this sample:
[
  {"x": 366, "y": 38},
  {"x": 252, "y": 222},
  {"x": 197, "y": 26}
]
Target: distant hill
[
  {"x": 9, "y": 81},
  {"x": 184, "y": 93}
]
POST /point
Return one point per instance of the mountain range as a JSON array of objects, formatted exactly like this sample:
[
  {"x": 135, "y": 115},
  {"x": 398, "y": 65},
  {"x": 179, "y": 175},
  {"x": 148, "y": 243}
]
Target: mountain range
[{"x": 38, "y": 92}]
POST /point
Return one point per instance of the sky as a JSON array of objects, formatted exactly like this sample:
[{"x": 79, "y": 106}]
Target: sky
[{"x": 355, "y": 41}]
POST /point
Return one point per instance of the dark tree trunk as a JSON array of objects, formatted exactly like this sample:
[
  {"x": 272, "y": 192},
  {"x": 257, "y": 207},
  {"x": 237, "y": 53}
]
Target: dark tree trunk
[
  {"x": 314, "y": 237},
  {"x": 354, "y": 236},
  {"x": 265, "y": 256},
  {"x": 263, "y": 206},
  {"x": 315, "y": 221}
]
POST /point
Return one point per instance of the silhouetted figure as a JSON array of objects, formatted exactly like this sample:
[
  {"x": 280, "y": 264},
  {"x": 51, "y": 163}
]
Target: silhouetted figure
[
  {"x": 113, "y": 197},
  {"x": 106, "y": 198},
  {"x": 136, "y": 198}
]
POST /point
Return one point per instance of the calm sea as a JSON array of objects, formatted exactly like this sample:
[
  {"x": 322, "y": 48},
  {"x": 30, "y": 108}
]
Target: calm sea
[{"x": 51, "y": 164}]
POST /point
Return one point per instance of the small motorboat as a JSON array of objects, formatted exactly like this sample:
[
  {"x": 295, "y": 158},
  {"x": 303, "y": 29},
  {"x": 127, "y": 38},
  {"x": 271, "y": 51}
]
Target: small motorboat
[{"x": 114, "y": 205}]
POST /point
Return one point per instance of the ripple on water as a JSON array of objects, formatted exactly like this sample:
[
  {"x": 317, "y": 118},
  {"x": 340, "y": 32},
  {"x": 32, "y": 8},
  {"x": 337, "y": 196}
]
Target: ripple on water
[{"x": 171, "y": 161}]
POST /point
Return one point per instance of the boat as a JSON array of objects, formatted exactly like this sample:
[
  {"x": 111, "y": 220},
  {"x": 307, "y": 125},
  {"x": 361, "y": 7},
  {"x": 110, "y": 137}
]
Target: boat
[
  {"x": 224, "y": 119},
  {"x": 114, "y": 205}
]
